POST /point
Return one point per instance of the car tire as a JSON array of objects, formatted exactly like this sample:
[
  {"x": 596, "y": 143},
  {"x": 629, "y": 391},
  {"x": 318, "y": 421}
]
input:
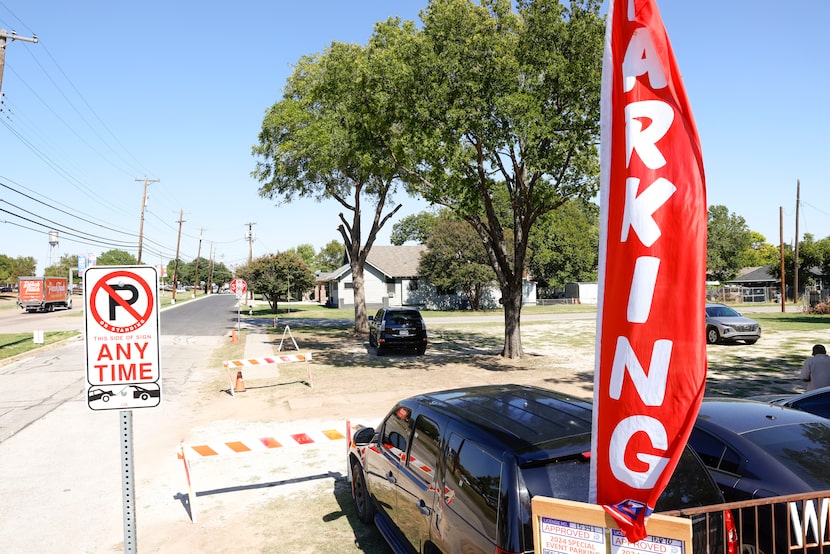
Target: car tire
[
  {"x": 421, "y": 351},
  {"x": 712, "y": 335},
  {"x": 751, "y": 341},
  {"x": 371, "y": 340},
  {"x": 360, "y": 495}
]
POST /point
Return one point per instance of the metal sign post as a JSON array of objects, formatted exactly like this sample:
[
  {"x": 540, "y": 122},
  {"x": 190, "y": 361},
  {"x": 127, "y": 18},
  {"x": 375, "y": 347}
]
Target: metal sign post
[
  {"x": 123, "y": 360},
  {"x": 128, "y": 482},
  {"x": 239, "y": 287}
]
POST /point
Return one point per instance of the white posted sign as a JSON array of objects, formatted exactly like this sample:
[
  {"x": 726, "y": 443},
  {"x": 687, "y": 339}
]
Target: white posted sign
[{"x": 123, "y": 359}]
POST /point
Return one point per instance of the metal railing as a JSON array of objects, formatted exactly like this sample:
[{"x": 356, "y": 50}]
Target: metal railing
[{"x": 791, "y": 524}]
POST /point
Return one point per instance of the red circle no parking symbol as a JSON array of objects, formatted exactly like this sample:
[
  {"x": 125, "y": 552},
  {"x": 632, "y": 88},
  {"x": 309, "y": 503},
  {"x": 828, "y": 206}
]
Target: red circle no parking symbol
[{"x": 121, "y": 302}]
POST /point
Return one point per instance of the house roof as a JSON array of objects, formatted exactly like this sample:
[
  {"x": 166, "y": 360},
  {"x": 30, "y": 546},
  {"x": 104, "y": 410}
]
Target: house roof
[
  {"x": 759, "y": 274},
  {"x": 392, "y": 261},
  {"x": 396, "y": 261}
]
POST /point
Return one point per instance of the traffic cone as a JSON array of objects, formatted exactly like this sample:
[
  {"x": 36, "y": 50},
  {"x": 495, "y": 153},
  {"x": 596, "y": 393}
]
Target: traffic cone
[
  {"x": 234, "y": 338},
  {"x": 240, "y": 384}
]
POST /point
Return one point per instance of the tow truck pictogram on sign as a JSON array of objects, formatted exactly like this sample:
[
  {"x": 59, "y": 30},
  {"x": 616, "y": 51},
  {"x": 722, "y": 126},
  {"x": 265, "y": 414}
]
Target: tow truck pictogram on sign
[{"x": 122, "y": 336}]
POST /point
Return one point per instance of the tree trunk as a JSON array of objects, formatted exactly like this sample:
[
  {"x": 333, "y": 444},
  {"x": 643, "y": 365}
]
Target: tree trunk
[
  {"x": 361, "y": 322},
  {"x": 512, "y": 301}
]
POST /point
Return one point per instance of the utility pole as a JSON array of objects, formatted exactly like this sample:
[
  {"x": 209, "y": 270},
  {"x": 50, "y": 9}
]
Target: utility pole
[
  {"x": 210, "y": 272},
  {"x": 176, "y": 265},
  {"x": 141, "y": 226},
  {"x": 198, "y": 253},
  {"x": 781, "y": 243},
  {"x": 250, "y": 236},
  {"x": 4, "y": 37},
  {"x": 795, "y": 276}
]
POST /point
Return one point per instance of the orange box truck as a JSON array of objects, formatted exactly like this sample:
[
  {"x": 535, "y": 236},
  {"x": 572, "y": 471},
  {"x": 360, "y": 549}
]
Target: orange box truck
[{"x": 43, "y": 294}]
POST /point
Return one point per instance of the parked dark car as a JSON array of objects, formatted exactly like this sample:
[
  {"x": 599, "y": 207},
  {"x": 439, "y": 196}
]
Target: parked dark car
[
  {"x": 755, "y": 450},
  {"x": 398, "y": 329},
  {"x": 455, "y": 471},
  {"x": 815, "y": 401},
  {"x": 723, "y": 324}
]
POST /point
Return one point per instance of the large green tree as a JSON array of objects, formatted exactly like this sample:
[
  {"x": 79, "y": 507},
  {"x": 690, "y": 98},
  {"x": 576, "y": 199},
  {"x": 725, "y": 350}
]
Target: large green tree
[
  {"x": 728, "y": 237},
  {"x": 455, "y": 259},
  {"x": 759, "y": 252},
  {"x": 330, "y": 257},
  {"x": 823, "y": 255},
  {"x": 67, "y": 263},
  {"x": 415, "y": 227},
  {"x": 12, "y": 268},
  {"x": 564, "y": 245},
  {"x": 326, "y": 140},
  {"x": 495, "y": 100},
  {"x": 812, "y": 255},
  {"x": 116, "y": 257},
  {"x": 278, "y": 276},
  {"x": 208, "y": 272},
  {"x": 306, "y": 252}
]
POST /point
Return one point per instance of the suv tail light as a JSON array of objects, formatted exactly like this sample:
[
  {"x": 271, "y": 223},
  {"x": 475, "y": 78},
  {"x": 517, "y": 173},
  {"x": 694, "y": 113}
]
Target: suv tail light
[{"x": 730, "y": 532}]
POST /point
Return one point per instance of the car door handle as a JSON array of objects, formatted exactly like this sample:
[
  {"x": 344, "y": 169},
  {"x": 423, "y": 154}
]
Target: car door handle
[
  {"x": 391, "y": 478},
  {"x": 423, "y": 508}
]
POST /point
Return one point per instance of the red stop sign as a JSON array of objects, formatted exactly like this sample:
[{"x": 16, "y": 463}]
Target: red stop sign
[{"x": 239, "y": 286}]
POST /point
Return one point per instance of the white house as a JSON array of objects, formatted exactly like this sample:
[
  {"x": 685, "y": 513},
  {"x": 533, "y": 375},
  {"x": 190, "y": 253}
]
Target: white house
[{"x": 391, "y": 278}]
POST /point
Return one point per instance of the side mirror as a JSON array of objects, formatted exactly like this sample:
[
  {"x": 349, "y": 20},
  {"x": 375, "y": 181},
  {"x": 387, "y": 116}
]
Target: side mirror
[
  {"x": 371, "y": 318},
  {"x": 363, "y": 436}
]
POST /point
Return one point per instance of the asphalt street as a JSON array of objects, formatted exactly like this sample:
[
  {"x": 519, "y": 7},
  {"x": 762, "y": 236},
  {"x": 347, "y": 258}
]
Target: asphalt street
[{"x": 60, "y": 471}]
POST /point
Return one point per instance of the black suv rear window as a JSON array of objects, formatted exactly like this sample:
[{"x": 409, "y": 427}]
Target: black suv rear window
[{"x": 401, "y": 319}]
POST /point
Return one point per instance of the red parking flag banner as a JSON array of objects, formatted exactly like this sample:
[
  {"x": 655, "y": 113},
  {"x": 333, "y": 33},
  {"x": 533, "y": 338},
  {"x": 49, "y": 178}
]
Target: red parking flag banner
[{"x": 650, "y": 369}]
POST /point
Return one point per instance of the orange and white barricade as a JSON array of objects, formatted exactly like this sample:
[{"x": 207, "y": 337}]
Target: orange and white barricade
[
  {"x": 187, "y": 453},
  {"x": 238, "y": 365}
]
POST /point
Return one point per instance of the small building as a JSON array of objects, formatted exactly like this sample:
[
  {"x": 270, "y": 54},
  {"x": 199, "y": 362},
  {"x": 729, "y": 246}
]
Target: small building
[
  {"x": 583, "y": 293},
  {"x": 391, "y": 278},
  {"x": 753, "y": 284}
]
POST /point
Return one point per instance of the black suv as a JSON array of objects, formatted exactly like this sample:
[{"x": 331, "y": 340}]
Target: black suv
[
  {"x": 454, "y": 471},
  {"x": 398, "y": 329}
]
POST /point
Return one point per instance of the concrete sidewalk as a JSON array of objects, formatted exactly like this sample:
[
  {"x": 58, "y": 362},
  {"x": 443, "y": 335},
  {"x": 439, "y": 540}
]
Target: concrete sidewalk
[{"x": 259, "y": 343}]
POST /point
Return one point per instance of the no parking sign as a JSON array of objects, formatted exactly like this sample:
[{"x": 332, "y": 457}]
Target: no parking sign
[{"x": 122, "y": 337}]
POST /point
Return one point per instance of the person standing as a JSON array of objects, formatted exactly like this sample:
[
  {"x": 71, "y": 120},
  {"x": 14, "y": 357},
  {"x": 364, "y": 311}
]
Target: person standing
[{"x": 816, "y": 369}]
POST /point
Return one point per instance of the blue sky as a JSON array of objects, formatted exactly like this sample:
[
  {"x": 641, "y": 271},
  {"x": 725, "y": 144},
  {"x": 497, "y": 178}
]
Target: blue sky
[{"x": 115, "y": 92}]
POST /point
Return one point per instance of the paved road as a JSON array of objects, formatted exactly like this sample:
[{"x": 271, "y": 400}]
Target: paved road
[
  {"x": 15, "y": 320},
  {"x": 60, "y": 479},
  {"x": 214, "y": 315}
]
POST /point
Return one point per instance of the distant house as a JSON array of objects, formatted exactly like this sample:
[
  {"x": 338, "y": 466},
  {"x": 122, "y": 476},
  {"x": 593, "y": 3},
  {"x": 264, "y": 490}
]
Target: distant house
[
  {"x": 755, "y": 277},
  {"x": 753, "y": 284},
  {"x": 391, "y": 278},
  {"x": 757, "y": 284}
]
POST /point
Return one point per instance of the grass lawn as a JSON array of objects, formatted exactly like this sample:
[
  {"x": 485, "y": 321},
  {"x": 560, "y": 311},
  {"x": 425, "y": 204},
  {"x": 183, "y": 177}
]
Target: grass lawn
[{"x": 18, "y": 343}]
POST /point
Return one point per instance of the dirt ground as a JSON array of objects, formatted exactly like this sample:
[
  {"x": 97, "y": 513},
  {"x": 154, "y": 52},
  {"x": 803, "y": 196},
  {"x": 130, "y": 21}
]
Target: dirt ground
[{"x": 299, "y": 501}]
